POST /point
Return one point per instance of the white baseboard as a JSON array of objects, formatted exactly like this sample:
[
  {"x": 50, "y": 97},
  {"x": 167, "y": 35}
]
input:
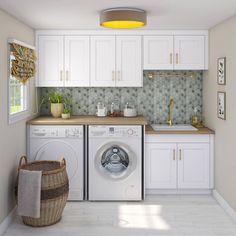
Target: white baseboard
[
  {"x": 228, "y": 209},
  {"x": 178, "y": 191},
  {"x": 7, "y": 221}
]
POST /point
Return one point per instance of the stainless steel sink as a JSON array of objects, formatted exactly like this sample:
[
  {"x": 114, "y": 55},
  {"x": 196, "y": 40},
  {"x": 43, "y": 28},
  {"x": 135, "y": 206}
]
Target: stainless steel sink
[{"x": 180, "y": 127}]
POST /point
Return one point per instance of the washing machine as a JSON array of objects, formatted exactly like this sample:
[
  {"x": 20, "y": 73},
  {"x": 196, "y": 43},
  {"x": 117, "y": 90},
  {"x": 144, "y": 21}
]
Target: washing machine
[
  {"x": 115, "y": 163},
  {"x": 52, "y": 142}
]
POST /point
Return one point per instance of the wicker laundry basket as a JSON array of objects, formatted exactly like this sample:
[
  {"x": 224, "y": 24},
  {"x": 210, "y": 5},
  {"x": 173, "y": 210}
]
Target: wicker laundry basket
[{"x": 54, "y": 190}]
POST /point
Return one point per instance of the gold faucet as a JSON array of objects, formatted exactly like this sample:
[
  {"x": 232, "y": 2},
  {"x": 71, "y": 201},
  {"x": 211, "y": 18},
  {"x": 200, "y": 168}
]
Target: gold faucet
[{"x": 171, "y": 107}]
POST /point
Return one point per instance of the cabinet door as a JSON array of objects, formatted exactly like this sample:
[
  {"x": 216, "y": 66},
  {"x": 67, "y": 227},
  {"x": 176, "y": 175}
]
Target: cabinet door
[
  {"x": 189, "y": 52},
  {"x": 76, "y": 61},
  {"x": 158, "y": 52},
  {"x": 193, "y": 166},
  {"x": 161, "y": 166},
  {"x": 50, "y": 61},
  {"x": 128, "y": 61},
  {"x": 102, "y": 61}
]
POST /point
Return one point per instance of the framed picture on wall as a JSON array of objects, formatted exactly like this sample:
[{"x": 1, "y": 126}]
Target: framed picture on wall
[
  {"x": 221, "y": 105},
  {"x": 221, "y": 71}
]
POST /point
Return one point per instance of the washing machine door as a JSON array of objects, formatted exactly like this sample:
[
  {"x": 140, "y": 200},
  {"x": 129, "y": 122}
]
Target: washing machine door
[
  {"x": 55, "y": 150},
  {"x": 115, "y": 161}
]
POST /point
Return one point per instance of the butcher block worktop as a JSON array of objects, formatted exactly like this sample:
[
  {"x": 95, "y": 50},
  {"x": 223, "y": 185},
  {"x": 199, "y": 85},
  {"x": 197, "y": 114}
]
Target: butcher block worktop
[
  {"x": 94, "y": 120},
  {"x": 88, "y": 120},
  {"x": 203, "y": 130}
]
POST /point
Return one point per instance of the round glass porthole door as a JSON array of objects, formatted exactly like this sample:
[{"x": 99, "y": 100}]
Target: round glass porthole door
[{"x": 115, "y": 161}]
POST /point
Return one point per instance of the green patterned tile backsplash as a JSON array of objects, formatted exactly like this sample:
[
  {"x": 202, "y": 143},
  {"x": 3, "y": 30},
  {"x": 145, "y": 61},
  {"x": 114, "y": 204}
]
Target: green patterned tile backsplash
[{"x": 151, "y": 100}]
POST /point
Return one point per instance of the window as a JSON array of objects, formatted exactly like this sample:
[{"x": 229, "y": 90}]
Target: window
[{"x": 18, "y": 98}]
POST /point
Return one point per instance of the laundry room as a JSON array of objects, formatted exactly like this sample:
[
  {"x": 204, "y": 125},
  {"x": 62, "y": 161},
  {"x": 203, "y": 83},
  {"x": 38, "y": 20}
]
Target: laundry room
[{"x": 117, "y": 117}]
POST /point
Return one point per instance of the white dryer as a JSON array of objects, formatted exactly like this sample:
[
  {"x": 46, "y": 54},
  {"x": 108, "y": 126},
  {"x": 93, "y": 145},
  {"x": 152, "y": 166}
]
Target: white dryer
[
  {"x": 115, "y": 169},
  {"x": 52, "y": 142}
]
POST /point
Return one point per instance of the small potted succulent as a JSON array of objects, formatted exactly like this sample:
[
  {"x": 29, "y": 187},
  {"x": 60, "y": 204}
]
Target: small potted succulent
[
  {"x": 56, "y": 100},
  {"x": 66, "y": 112}
]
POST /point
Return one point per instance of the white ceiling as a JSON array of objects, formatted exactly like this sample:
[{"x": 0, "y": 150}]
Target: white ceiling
[{"x": 84, "y": 14}]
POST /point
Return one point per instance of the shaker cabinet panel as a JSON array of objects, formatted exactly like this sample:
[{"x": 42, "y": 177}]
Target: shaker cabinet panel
[
  {"x": 175, "y": 52},
  {"x": 76, "y": 61},
  {"x": 128, "y": 61},
  {"x": 158, "y": 52},
  {"x": 103, "y": 61},
  {"x": 189, "y": 52},
  {"x": 50, "y": 61},
  {"x": 161, "y": 166},
  {"x": 193, "y": 166}
]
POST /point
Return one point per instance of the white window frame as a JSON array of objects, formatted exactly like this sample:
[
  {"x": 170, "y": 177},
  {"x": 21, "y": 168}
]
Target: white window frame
[{"x": 21, "y": 115}]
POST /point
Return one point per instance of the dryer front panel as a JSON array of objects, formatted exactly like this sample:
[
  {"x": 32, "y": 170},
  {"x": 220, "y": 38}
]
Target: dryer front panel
[{"x": 72, "y": 151}]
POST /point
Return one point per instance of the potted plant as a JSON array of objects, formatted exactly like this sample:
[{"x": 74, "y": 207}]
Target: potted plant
[
  {"x": 66, "y": 112},
  {"x": 56, "y": 100}
]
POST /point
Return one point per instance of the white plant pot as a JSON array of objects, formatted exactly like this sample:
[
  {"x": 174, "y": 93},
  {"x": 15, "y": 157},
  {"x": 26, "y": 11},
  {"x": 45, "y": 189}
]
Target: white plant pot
[
  {"x": 56, "y": 109},
  {"x": 65, "y": 115}
]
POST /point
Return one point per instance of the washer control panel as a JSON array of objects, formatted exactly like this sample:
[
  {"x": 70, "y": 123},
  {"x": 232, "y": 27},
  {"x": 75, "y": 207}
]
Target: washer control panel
[
  {"x": 39, "y": 131},
  {"x": 115, "y": 131}
]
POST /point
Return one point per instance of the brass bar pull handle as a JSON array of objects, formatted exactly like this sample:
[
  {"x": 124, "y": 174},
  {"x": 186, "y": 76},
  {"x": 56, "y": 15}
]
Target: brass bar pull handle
[
  {"x": 67, "y": 75},
  {"x": 113, "y": 75},
  {"x": 171, "y": 58},
  {"x": 180, "y": 155},
  {"x": 174, "y": 154},
  {"x": 61, "y": 75},
  {"x": 118, "y": 75},
  {"x": 177, "y": 58}
]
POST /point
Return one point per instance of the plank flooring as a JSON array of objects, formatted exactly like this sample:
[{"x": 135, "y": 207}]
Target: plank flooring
[{"x": 156, "y": 216}]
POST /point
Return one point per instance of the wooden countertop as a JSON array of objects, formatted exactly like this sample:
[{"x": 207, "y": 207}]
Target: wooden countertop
[
  {"x": 88, "y": 120},
  {"x": 203, "y": 130},
  {"x": 94, "y": 120}
]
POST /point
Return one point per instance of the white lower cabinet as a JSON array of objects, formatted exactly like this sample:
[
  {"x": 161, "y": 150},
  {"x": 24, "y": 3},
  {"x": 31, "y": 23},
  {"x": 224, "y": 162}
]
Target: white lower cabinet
[
  {"x": 161, "y": 165},
  {"x": 193, "y": 166},
  {"x": 173, "y": 164}
]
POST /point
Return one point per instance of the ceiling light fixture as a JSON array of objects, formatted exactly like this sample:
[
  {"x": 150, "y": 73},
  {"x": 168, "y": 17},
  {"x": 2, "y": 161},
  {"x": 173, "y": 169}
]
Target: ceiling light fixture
[{"x": 123, "y": 18}]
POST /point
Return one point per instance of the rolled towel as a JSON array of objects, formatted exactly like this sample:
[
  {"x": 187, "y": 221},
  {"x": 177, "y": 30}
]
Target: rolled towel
[{"x": 29, "y": 193}]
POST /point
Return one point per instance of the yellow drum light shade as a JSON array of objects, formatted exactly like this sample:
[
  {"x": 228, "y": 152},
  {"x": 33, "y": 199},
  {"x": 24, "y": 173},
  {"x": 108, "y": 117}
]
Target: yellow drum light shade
[{"x": 123, "y": 18}]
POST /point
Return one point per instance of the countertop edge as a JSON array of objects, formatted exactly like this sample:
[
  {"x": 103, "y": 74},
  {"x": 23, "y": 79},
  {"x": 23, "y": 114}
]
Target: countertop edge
[{"x": 88, "y": 120}]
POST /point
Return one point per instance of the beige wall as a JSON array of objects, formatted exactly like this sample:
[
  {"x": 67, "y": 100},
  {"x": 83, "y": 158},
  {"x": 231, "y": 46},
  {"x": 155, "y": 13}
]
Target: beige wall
[
  {"x": 223, "y": 43},
  {"x": 12, "y": 137}
]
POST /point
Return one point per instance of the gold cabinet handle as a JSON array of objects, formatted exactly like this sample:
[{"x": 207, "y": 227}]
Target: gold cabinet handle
[
  {"x": 113, "y": 75},
  {"x": 174, "y": 154},
  {"x": 61, "y": 75},
  {"x": 177, "y": 58},
  {"x": 67, "y": 75},
  {"x": 118, "y": 75},
  {"x": 171, "y": 58},
  {"x": 180, "y": 155}
]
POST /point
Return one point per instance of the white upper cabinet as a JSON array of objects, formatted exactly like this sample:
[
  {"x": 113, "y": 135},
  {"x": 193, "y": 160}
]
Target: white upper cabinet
[
  {"x": 76, "y": 61},
  {"x": 103, "y": 61},
  {"x": 189, "y": 52},
  {"x": 193, "y": 166},
  {"x": 158, "y": 52},
  {"x": 63, "y": 61},
  {"x": 97, "y": 59},
  {"x": 128, "y": 61},
  {"x": 50, "y": 61},
  {"x": 116, "y": 61},
  {"x": 181, "y": 52}
]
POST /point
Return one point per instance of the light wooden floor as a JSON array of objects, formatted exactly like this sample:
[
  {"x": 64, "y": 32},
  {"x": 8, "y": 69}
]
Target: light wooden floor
[{"x": 156, "y": 216}]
